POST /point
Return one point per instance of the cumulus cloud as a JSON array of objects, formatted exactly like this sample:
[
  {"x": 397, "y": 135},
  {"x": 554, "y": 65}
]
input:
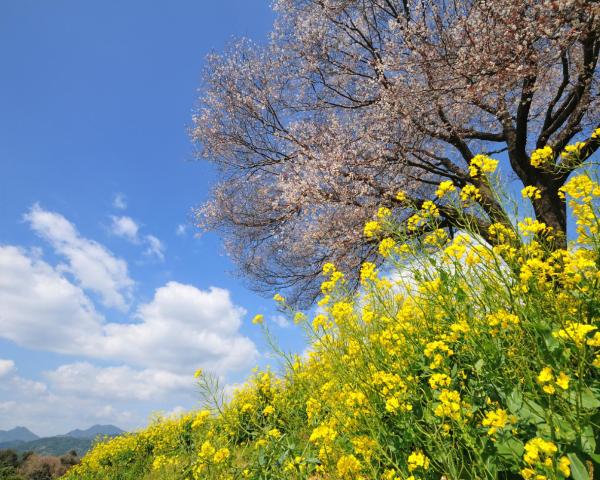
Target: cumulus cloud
[
  {"x": 125, "y": 227},
  {"x": 80, "y": 394},
  {"x": 148, "y": 356},
  {"x": 48, "y": 413},
  {"x": 93, "y": 265},
  {"x": 120, "y": 201},
  {"x": 41, "y": 308},
  {"x": 181, "y": 329},
  {"x": 117, "y": 383}
]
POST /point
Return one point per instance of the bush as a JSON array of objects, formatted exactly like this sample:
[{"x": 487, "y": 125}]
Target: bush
[{"x": 460, "y": 359}]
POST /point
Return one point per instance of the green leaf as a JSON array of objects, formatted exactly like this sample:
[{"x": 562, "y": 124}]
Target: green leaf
[
  {"x": 551, "y": 342},
  {"x": 578, "y": 470},
  {"x": 588, "y": 442},
  {"x": 589, "y": 400},
  {"x": 564, "y": 431},
  {"x": 525, "y": 410},
  {"x": 510, "y": 448}
]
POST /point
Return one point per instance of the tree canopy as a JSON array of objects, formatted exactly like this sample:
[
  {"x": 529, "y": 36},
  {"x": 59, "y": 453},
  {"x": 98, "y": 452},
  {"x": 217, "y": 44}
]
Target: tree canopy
[{"x": 352, "y": 101}]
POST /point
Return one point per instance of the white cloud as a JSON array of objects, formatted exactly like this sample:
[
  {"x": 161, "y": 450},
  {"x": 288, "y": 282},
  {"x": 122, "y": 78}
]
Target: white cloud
[
  {"x": 16, "y": 384},
  {"x": 156, "y": 349},
  {"x": 181, "y": 229},
  {"x": 155, "y": 247},
  {"x": 175, "y": 412},
  {"x": 120, "y": 201},
  {"x": 79, "y": 395},
  {"x": 181, "y": 329},
  {"x": 117, "y": 383},
  {"x": 6, "y": 367},
  {"x": 40, "y": 308},
  {"x": 125, "y": 227},
  {"x": 280, "y": 320},
  {"x": 92, "y": 264}
]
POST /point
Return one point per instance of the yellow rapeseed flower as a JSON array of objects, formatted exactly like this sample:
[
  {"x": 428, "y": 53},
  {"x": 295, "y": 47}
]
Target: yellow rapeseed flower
[
  {"x": 386, "y": 247},
  {"x": 221, "y": 455},
  {"x": 348, "y": 466},
  {"x": 531, "y": 192},
  {"x": 371, "y": 229},
  {"x": 444, "y": 188},
  {"x": 417, "y": 460},
  {"x": 495, "y": 420},
  {"x": 542, "y": 156},
  {"x": 470, "y": 193},
  {"x": 482, "y": 164}
]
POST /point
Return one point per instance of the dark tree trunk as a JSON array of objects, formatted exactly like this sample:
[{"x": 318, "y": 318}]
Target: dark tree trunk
[{"x": 552, "y": 210}]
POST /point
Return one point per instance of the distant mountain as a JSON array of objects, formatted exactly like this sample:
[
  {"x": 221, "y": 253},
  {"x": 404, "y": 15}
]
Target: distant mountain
[
  {"x": 22, "y": 440},
  {"x": 50, "y": 446},
  {"x": 94, "y": 431},
  {"x": 17, "y": 434}
]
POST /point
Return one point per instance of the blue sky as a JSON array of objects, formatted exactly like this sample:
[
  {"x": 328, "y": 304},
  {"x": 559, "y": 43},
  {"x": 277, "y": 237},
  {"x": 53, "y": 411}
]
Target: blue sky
[{"x": 107, "y": 295}]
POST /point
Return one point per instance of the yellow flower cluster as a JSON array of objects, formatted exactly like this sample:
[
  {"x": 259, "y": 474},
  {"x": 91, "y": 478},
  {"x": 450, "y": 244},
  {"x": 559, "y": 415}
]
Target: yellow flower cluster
[
  {"x": 531, "y": 192},
  {"x": 386, "y": 247},
  {"x": 457, "y": 248},
  {"x": 414, "y": 222},
  {"x": 417, "y": 460},
  {"x": 529, "y": 226},
  {"x": 576, "y": 333},
  {"x": 439, "y": 380},
  {"x": 548, "y": 381},
  {"x": 541, "y": 464},
  {"x": 450, "y": 405},
  {"x": 542, "y": 157},
  {"x": 335, "y": 277},
  {"x": 470, "y": 193},
  {"x": 502, "y": 318},
  {"x": 384, "y": 213},
  {"x": 572, "y": 152},
  {"x": 502, "y": 233},
  {"x": 482, "y": 164},
  {"x": 372, "y": 229},
  {"x": 445, "y": 188},
  {"x": 495, "y": 420},
  {"x": 430, "y": 209},
  {"x": 348, "y": 466}
]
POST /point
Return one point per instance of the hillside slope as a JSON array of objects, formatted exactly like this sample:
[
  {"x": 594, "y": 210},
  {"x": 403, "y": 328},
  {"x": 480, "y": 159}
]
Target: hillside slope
[
  {"x": 465, "y": 361},
  {"x": 54, "y": 446}
]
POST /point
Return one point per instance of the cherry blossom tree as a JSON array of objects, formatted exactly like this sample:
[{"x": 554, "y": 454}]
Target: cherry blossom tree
[{"x": 352, "y": 101}]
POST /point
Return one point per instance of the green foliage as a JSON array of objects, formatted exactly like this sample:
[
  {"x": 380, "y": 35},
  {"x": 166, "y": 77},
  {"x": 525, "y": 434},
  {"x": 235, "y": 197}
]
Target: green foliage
[{"x": 51, "y": 446}]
